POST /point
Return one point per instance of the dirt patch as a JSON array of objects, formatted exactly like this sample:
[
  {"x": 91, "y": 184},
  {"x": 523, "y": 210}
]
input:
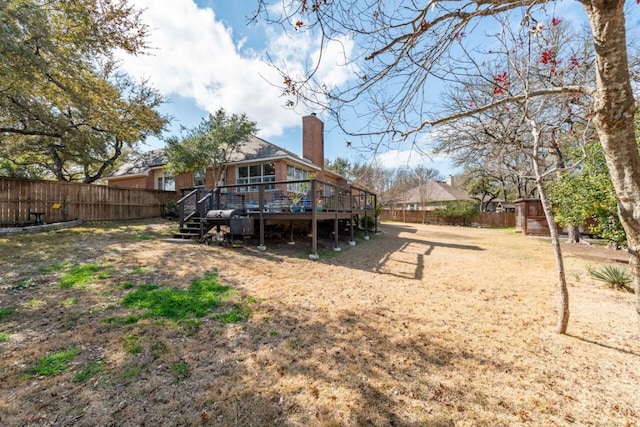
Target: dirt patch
[{"x": 421, "y": 325}]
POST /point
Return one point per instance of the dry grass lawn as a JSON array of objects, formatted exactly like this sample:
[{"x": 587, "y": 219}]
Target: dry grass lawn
[{"x": 419, "y": 326}]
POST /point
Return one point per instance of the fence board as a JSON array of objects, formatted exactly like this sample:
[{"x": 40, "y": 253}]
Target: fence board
[
  {"x": 482, "y": 219},
  {"x": 21, "y": 197}
]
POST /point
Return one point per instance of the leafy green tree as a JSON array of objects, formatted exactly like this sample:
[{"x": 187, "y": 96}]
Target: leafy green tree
[
  {"x": 210, "y": 144},
  {"x": 64, "y": 105},
  {"x": 16, "y": 170},
  {"x": 457, "y": 211},
  {"x": 588, "y": 194},
  {"x": 340, "y": 166},
  {"x": 482, "y": 184}
]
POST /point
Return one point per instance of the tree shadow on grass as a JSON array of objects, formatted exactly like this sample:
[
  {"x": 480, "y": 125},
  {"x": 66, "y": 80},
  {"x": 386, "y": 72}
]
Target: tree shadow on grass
[
  {"x": 622, "y": 350},
  {"x": 285, "y": 367}
]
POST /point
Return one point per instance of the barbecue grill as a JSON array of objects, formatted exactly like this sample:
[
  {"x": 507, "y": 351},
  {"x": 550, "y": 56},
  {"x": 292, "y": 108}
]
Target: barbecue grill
[{"x": 238, "y": 225}]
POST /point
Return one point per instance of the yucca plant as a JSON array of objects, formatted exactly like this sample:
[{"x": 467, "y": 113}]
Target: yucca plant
[{"x": 613, "y": 275}]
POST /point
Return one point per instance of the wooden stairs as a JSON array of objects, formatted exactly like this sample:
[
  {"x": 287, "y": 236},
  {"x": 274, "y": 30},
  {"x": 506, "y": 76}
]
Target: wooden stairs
[{"x": 191, "y": 230}]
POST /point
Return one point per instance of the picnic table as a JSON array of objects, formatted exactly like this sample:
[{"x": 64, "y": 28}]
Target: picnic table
[{"x": 38, "y": 217}]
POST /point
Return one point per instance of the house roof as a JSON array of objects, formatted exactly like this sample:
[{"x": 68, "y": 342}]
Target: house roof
[
  {"x": 258, "y": 149},
  {"x": 141, "y": 164},
  {"x": 434, "y": 191},
  {"x": 255, "y": 149}
]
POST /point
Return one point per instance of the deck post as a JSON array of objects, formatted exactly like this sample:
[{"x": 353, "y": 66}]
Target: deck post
[
  {"x": 352, "y": 240},
  {"x": 314, "y": 224},
  {"x": 291, "y": 241},
  {"x": 261, "y": 215},
  {"x": 336, "y": 230}
]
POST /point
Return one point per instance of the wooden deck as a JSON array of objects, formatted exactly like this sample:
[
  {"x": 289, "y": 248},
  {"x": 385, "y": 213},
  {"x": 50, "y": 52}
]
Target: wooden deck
[{"x": 265, "y": 204}]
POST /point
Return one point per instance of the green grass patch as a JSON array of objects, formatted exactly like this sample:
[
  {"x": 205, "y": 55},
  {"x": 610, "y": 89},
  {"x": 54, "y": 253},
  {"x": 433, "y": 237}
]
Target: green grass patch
[
  {"x": 235, "y": 315},
  {"x": 52, "y": 268},
  {"x": 53, "y": 364},
  {"x": 4, "y": 337},
  {"x": 6, "y": 312},
  {"x": 121, "y": 321},
  {"x": 175, "y": 304},
  {"x": 131, "y": 371},
  {"x": 93, "y": 368},
  {"x": 140, "y": 270},
  {"x": 103, "y": 275},
  {"x": 70, "y": 302},
  {"x": 34, "y": 303},
  {"x": 79, "y": 275},
  {"x": 126, "y": 285},
  {"x": 180, "y": 368},
  {"x": 131, "y": 344}
]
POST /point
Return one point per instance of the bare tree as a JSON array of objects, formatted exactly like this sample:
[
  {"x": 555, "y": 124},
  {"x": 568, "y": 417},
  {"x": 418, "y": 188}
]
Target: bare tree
[{"x": 401, "y": 46}]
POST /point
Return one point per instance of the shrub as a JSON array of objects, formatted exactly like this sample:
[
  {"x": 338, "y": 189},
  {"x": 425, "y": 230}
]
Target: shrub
[
  {"x": 371, "y": 223},
  {"x": 614, "y": 276},
  {"x": 457, "y": 212},
  {"x": 171, "y": 210}
]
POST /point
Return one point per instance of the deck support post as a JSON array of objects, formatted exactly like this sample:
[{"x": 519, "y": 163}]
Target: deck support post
[
  {"x": 261, "y": 216},
  {"x": 314, "y": 222}
]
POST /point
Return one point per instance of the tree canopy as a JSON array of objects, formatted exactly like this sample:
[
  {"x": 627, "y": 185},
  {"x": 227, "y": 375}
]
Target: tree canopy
[
  {"x": 64, "y": 105},
  {"x": 211, "y": 143}
]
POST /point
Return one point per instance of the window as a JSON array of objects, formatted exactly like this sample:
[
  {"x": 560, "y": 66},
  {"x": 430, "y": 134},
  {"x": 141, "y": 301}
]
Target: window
[
  {"x": 165, "y": 181},
  {"x": 199, "y": 178},
  {"x": 253, "y": 174},
  {"x": 295, "y": 174}
]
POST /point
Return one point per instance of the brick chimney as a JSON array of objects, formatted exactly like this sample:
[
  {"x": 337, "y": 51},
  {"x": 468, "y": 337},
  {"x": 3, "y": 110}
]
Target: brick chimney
[{"x": 313, "y": 139}]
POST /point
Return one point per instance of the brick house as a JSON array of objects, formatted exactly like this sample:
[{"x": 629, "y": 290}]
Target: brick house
[{"x": 258, "y": 162}]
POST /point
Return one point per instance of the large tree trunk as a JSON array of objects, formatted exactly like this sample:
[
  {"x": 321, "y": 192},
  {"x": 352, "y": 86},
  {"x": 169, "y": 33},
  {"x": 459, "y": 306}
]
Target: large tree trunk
[
  {"x": 573, "y": 234},
  {"x": 614, "y": 111}
]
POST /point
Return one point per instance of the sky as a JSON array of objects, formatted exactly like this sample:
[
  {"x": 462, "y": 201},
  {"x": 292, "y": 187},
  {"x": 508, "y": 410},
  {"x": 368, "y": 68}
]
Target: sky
[{"x": 205, "y": 55}]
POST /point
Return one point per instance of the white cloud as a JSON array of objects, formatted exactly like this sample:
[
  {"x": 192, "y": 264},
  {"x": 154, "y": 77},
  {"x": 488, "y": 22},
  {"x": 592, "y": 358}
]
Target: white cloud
[
  {"x": 412, "y": 157},
  {"x": 193, "y": 55}
]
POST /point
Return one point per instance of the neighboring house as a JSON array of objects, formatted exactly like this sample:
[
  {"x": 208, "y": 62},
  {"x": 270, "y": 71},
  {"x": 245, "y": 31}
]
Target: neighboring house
[
  {"x": 427, "y": 197},
  {"x": 258, "y": 162},
  {"x": 143, "y": 171},
  {"x": 493, "y": 204}
]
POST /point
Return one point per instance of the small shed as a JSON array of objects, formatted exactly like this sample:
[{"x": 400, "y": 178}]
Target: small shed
[{"x": 530, "y": 218}]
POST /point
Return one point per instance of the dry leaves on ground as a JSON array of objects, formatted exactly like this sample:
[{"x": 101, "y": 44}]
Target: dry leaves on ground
[{"x": 421, "y": 325}]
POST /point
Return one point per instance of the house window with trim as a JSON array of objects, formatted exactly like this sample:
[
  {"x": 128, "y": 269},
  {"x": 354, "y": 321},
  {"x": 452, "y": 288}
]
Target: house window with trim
[
  {"x": 165, "y": 181},
  {"x": 254, "y": 174},
  {"x": 199, "y": 178},
  {"x": 294, "y": 174}
]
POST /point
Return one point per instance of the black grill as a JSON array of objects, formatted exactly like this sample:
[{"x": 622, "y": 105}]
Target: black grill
[{"x": 222, "y": 216}]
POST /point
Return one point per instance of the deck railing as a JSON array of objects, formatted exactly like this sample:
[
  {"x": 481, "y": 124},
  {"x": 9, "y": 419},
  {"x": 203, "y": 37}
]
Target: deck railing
[{"x": 276, "y": 197}]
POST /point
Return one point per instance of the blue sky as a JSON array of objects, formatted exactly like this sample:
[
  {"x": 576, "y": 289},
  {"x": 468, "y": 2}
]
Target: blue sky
[{"x": 204, "y": 55}]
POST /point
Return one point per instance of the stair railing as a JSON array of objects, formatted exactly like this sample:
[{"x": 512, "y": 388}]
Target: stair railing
[{"x": 187, "y": 205}]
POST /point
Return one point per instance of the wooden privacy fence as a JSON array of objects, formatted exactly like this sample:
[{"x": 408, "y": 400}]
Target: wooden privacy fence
[
  {"x": 481, "y": 219},
  {"x": 24, "y": 200}
]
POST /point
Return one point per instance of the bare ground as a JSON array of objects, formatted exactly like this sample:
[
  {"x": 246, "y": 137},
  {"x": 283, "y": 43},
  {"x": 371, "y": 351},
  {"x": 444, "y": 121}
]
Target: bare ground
[{"x": 419, "y": 326}]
